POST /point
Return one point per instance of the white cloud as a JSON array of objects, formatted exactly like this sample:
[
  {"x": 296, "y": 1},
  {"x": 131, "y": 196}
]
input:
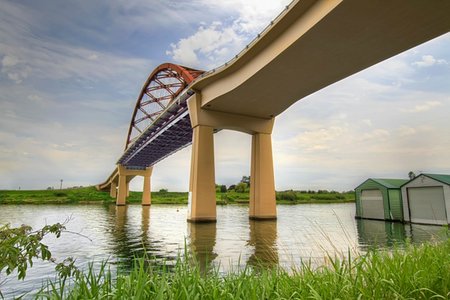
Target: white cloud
[
  {"x": 213, "y": 45},
  {"x": 426, "y": 106},
  {"x": 376, "y": 135},
  {"x": 429, "y": 60},
  {"x": 13, "y": 68},
  {"x": 9, "y": 61},
  {"x": 253, "y": 15},
  {"x": 367, "y": 122},
  {"x": 406, "y": 131}
]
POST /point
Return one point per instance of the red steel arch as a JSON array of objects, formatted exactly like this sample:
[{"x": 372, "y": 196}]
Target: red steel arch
[{"x": 163, "y": 85}]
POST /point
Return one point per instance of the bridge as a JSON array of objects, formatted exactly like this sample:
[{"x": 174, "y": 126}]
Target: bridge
[{"x": 310, "y": 45}]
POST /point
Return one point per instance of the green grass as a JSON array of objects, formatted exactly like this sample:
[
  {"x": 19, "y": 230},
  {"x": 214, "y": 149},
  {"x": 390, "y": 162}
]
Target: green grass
[
  {"x": 416, "y": 272},
  {"x": 91, "y": 195},
  {"x": 83, "y": 195}
]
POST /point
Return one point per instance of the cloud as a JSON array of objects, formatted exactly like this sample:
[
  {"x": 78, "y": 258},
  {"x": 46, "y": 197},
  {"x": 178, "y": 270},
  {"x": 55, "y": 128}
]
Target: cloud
[
  {"x": 208, "y": 46},
  {"x": 426, "y": 106},
  {"x": 14, "y": 69},
  {"x": 429, "y": 60},
  {"x": 9, "y": 61},
  {"x": 406, "y": 131},
  {"x": 214, "y": 44}
]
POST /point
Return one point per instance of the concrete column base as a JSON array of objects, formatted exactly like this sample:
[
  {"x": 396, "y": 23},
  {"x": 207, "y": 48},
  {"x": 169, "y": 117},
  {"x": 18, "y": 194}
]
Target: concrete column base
[
  {"x": 202, "y": 220},
  {"x": 263, "y": 218}
]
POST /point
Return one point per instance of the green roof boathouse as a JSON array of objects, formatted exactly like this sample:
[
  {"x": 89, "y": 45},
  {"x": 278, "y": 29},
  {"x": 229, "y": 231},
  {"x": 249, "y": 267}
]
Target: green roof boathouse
[{"x": 380, "y": 199}]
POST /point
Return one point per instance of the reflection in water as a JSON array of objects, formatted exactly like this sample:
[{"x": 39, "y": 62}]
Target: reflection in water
[
  {"x": 145, "y": 224},
  {"x": 120, "y": 244},
  {"x": 381, "y": 234},
  {"x": 424, "y": 233},
  {"x": 263, "y": 237},
  {"x": 131, "y": 239},
  {"x": 202, "y": 241}
]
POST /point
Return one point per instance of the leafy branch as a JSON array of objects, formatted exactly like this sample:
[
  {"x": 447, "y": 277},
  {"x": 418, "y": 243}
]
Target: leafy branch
[{"x": 20, "y": 245}]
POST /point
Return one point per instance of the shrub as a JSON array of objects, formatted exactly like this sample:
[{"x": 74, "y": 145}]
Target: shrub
[{"x": 287, "y": 195}]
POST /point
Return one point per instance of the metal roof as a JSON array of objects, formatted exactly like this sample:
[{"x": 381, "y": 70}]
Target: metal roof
[
  {"x": 439, "y": 177},
  {"x": 390, "y": 183}
]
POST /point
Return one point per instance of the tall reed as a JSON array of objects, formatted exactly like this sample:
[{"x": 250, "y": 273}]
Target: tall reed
[{"x": 414, "y": 272}]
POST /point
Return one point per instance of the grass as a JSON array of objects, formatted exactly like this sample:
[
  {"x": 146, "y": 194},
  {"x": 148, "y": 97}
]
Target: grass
[
  {"x": 91, "y": 195},
  {"x": 416, "y": 272},
  {"x": 83, "y": 195}
]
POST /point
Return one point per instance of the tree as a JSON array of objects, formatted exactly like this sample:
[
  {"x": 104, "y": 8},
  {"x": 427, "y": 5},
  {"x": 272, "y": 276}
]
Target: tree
[
  {"x": 241, "y": 187},
  {"x": 246, "y": 180},
  {"x": 411, "y": 175},
  {"x": 223, "y": 188}
]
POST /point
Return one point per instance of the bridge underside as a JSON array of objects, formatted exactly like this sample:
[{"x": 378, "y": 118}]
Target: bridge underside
[
  {"x": 317, "y": 43},
  {"x": 171, "y": 132},
  {"x": 313, "y": 44}
]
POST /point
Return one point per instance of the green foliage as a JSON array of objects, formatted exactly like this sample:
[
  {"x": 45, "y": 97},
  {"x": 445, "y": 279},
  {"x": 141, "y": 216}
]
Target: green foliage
[
  {"x": 287, "y": 195},
  {"x": 417, "y": 272},
  {"x": 234, "y": 194},
  {"x": 60, "y": 194},
  {"x": 241, "y": 187},
  {"x": 20, "y": 245}
]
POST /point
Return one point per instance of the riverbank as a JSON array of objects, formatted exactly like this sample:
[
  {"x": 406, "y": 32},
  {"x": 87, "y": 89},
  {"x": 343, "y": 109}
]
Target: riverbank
[
  {"x": 416, "y": 272},
  {"x": 87, "y": 195}
]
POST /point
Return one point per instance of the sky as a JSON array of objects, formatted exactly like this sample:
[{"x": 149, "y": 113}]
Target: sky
[{"x": 71, "y": 72}]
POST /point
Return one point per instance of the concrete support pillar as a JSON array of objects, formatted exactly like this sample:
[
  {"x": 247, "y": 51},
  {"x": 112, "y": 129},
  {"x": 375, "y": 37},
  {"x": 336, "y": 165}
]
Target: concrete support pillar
[
  {"x": 202, "y": 202},
  {"x": 113, "y": 191},
  {"x": 262, "y": 183},
  {"x": 146, "y": 193},
  {"x": 122, "y": 192},
  {"x": 202, "y": 193},
  {"x": 128, "y": 188},
  {"x": 125, "y": 176}
]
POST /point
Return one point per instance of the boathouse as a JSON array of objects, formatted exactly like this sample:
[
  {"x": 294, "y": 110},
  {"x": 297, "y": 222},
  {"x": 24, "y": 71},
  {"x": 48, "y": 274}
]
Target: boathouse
[
  {"x": 426, "y": 199},
  {"x": 380, "y": 199}
]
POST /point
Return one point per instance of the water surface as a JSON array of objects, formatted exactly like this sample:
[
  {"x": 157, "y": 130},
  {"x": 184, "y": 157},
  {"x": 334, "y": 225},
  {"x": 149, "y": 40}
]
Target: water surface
[{"x": 301, "y": 233}]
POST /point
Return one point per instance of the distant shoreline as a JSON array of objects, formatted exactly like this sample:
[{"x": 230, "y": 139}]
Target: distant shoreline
[{"x": 89, "y": 195}]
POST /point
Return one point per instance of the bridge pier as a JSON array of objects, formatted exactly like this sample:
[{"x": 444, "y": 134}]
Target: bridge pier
[
  {"x": 262, "y": 183},
  {"x": 202, "y": 195},
  {"x": 122, "y": 189},
  {"x": 124, "y": 177},
  {"x": 202, "y": 187},
  {"x": 146, "y": 192},
  {"x": 113, "y": 190}
]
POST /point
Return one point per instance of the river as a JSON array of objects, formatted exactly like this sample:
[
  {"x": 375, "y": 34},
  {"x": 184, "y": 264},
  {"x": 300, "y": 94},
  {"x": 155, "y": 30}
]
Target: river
[{"x": 308, "y": 233}]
